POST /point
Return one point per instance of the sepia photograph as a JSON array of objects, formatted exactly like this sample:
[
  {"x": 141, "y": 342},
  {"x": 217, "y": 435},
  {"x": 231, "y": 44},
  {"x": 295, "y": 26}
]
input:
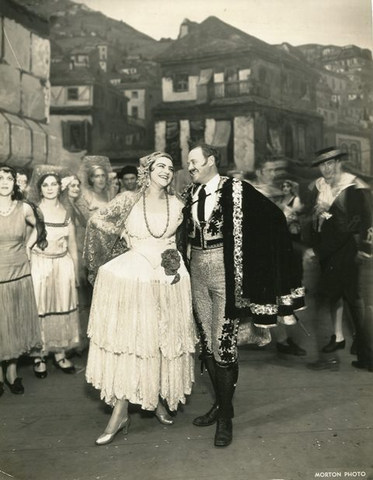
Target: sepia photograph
[{"x": 186, "y": 233}]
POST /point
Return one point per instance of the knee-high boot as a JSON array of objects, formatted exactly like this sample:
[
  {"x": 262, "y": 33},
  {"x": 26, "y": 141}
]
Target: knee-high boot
[
  {"x": 226, "y": 383},
  {"x": 211, "y": 416}
]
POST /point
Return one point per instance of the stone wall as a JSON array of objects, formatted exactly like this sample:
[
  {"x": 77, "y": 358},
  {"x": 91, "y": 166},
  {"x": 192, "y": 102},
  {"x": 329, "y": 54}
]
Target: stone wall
[{"x": 25, "y": 139}]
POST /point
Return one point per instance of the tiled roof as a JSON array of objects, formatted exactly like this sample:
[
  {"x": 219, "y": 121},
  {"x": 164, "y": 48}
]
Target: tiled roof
[{"x": 212, "y": 36}]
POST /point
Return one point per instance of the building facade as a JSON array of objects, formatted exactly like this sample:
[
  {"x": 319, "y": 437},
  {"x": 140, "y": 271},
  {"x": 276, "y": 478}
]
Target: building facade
[
  {"x": 91, "y": 115},
  {"x": 140, "y": 82},
  {"x": 26, "y": 138},
  {"x": 344, "y": 97},
  {"x": 231, "y": 90}
]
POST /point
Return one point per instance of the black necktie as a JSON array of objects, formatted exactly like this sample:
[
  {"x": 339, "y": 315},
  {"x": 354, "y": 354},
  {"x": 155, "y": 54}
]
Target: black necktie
[{"x": 201, "y": 204}]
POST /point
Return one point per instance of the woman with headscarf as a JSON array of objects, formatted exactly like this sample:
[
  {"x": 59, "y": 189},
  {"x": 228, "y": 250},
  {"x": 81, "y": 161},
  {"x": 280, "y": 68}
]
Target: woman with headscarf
[
  {"x": 19, "y": 324},
  {"x": 141, "y": 329},
  {"x": 78, "y": 212},
  {"x": 76, "y": 207}
]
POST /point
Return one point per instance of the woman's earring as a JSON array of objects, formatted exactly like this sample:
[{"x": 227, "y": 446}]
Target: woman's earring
[{"x": 148, "y": 182}]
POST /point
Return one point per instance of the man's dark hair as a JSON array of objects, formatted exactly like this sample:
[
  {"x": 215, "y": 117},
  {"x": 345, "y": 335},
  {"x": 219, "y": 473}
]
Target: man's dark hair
[
  {"x": 22, "y": 171},
  {"x": 207, "y": 151},
  {"x": 263, "y": 161}
]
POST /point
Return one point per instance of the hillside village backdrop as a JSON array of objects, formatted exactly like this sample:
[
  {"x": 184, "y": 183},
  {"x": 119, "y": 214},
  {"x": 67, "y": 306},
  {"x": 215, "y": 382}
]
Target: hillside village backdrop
[{"x": 91, "y": 84}]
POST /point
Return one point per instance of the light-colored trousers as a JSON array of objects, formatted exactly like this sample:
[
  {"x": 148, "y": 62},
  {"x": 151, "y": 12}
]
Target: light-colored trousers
[{"x": 218, "y": 335}]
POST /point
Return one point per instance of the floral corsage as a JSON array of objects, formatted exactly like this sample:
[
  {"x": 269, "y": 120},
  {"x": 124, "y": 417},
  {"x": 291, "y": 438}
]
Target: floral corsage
[{"x": 171, "y": 263}]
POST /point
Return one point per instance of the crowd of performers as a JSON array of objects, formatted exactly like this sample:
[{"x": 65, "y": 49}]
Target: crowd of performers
[{"x": 165, "y": 273}]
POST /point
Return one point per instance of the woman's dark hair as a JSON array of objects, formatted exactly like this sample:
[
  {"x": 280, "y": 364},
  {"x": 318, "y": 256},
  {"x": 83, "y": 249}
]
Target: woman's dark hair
[
  {"x": 43, "y": 177},
  {"x": 16, "y": 193}
]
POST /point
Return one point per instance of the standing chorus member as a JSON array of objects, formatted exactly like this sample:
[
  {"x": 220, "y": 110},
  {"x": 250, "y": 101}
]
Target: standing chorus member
[
  {"x": 128, "y": 177},
  {"x": 19, "y": 324},
  {"x": 94, "y": 174},
  {"x": 141, "y": 328},
  {"x": 291, "y": 205},
  {"x": 265, "y": 184},
  {"x": 78, "y": 212},
  {"x": 342, "y": 240},
  {"x": 241, "y": 259},
  {"x": 55, "y": 272},
  {"x": 22, "y": 182}
]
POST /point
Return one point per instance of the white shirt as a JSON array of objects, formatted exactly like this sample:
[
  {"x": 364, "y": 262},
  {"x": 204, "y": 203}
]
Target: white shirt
[{"x": 211, "y": 190}]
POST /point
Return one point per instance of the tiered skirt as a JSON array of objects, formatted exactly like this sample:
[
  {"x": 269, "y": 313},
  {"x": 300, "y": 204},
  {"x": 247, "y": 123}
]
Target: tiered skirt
[{"x": 142, "y": 334}]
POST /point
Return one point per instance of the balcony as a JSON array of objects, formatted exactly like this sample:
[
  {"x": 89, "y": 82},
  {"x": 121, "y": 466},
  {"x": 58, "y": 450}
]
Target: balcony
[
  {"x": 135, "y": 121},
  {"x": 240, "y": 88}
]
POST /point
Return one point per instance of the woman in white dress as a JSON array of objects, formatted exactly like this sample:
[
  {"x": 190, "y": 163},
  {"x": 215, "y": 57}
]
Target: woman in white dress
[{"x": 141, "y": 328}]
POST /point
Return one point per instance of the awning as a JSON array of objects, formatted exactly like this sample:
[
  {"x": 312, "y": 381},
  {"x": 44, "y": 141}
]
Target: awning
[
  {"x": 205, "y": 76},
  {"x": 25, "y": 142}
]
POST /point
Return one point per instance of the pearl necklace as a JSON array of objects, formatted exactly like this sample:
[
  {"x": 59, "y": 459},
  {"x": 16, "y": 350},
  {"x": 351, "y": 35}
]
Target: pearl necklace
[
  {"x": 5, "y": 213},
  {"x": 168, "y": 218}
]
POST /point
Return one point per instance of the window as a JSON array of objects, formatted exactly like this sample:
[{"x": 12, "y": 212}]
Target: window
[
  {"x": 303, "y": 89},
  {"x": 75, "y": 135},
  {"x": 262, "y": 75},
  {"x": 197, "y": 131},
  {"x": 355, "y": 156},
  {"x": 134, "y": 94},
  {"x": 301, "y": 140},
  {"x": 135, "y": 112},
  {"x": 73, "y": 93},
  {"x": 181, "y": 82}
]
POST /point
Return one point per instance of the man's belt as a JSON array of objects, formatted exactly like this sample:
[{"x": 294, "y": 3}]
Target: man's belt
[{"x": 207, "y": 244}]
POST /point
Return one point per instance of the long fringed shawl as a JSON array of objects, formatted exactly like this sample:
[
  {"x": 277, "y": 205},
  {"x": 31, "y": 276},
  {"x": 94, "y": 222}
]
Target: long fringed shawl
[{"x": 102, "y": 239}]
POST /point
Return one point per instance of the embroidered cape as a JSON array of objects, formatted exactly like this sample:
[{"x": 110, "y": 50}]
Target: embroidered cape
[{"x": 258, "y": 255}]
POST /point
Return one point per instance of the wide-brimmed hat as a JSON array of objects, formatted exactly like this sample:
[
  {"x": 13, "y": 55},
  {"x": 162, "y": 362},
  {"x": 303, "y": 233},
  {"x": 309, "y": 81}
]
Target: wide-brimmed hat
[{"x": 326, "y": 154}]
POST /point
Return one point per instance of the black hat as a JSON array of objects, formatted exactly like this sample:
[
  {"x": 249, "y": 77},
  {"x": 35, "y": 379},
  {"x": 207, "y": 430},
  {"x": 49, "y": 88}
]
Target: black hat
[
  {"x": 326, "y": 154},
  {"x": 128, "y": 169}
]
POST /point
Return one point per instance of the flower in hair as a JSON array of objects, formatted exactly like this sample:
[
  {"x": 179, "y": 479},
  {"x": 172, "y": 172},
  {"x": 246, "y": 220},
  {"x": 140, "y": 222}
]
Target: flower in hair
[{"x": 65, "y": 182}]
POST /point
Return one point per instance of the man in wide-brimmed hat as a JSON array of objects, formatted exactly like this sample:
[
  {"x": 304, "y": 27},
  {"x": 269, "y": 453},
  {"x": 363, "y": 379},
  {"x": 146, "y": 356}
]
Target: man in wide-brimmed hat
[{"x": 342, "y": 225}]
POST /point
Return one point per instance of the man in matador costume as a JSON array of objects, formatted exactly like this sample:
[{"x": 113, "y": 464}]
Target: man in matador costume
[{"x": 241, "y": 262}]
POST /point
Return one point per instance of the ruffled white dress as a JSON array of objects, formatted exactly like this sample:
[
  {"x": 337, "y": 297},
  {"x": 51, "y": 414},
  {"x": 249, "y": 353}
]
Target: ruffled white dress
[{"x": 141, "y": 328}]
